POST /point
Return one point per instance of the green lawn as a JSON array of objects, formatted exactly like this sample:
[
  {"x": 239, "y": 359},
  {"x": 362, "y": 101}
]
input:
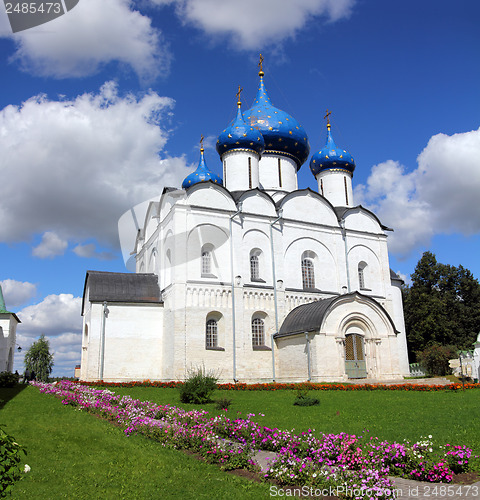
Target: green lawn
[
  {"x": 75, "y": 455},
  {"x": 450, "y": 417}
]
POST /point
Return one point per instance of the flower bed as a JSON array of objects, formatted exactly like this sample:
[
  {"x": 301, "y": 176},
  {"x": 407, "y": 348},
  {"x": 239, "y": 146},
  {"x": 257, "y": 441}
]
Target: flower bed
[
  {"x": 297, "y": 386},
  {"x": 355, "y": 462}
]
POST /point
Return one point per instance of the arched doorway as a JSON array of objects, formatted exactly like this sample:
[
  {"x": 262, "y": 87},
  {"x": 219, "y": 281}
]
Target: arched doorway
[{"x": 355, "y": 364}]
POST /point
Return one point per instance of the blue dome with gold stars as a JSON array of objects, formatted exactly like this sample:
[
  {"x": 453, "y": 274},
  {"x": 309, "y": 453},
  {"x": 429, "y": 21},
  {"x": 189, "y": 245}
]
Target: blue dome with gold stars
[
  {"x": 201, "y": 174},
  {"x": 331, "y": 157},
  {"x": 239, "y": 135},
  {"x": 282, "y": 133}
]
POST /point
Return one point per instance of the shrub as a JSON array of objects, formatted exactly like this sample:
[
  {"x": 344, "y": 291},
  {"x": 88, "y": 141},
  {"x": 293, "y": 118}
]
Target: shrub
[
  {"x": 434, "y": 359},
  {"x": 198, "y": 386},
  {"x": 10, "y": 468},
  {"x": 8, "y": 379},
  {"x": 223, "y": 403},
  {"x": 303, "y": 399}
]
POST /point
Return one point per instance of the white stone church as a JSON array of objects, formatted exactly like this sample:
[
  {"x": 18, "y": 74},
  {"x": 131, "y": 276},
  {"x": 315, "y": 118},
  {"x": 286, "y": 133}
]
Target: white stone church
[{"x": 250, "y": 276}]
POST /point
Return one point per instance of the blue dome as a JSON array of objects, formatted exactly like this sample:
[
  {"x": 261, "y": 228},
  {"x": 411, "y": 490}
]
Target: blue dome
[
  {"x": 239, "y": 135},
  {"x": 282, "y": 133},
  {"x": 330, "y": 157},
  {"x": 201, "y": 174}
]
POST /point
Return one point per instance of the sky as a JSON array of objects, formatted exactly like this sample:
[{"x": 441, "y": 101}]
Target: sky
[{"x": 103, "y": 107}]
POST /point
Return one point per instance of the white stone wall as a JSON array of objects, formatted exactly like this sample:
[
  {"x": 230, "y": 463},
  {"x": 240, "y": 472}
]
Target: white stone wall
[
  {"x": 8, "y": 336},
  {"x": 133, "y": 342},
  {"x": 331, "y": 185},
  {"x": 188, "y": 221},
  {"x": 236, "y": 170},
  {"x": 273, "y": 177}
]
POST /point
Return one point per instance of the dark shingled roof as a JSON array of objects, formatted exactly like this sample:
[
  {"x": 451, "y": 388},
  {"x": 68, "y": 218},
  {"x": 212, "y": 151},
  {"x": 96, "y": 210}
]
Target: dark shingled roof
[
  {"x": 309, "y": 317},
  {"x": 395, "y": 276},
  {"x": 122, "y": 287},
  {"x": 305, "y": 318}
]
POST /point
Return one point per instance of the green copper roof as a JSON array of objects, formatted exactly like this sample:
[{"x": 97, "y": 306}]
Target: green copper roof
[
  {"x": 3, "y": 309},
  {"x": 2, "y": 302}
]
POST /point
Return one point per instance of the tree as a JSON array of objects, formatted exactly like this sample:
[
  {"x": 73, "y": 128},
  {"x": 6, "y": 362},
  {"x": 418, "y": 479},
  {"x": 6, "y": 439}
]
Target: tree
[
  {"x": 442, "y": 306},
  {"x": 39, "y": 360}
]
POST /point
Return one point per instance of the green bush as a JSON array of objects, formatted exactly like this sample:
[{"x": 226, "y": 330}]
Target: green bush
[
  {"x": 10, "y": 468},
  {"x": 8, "y": 379},
  {"x": 223, "y": 403},
  {"x": 434, "y": 359},
  {"x": 198, "y": 387},
  {"x": 303, "y": 399}
]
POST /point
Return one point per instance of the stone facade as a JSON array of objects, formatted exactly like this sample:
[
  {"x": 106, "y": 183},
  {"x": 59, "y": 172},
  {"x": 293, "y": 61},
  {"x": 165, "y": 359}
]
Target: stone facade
[{"x": 236, "y": 259}]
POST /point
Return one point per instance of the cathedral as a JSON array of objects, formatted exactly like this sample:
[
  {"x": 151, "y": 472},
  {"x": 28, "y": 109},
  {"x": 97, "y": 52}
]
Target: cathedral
[{"x": 251, "y": 277}]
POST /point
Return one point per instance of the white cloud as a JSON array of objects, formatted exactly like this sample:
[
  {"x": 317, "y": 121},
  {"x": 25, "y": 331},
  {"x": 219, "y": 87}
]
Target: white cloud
[
  {"x": 440, "y": 196},
  {"x": 59, "y": 318},
  {"x": 16, "y": 293},
  {"x": 55, "y": 315},
  {"x": 89, "y": 251},
  {"x": 92, "y": 34},
  {"x": 50, "y": 246},
  {"x": 252, "y": 24},
  {"x": 72, "y": 167}
]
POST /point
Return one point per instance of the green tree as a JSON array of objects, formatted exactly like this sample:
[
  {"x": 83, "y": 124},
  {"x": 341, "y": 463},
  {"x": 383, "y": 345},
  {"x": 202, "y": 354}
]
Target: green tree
[
  {"x": 39, "y": 360},
  {"x": 442, "y": 306}
]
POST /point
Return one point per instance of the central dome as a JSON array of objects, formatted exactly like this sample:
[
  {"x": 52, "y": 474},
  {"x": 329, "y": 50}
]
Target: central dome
[{"x": 282, "y": 133}]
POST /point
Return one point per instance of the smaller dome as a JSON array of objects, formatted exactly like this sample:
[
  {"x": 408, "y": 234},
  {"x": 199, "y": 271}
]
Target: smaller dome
[
  {"x": 201, "y": 174},
  {"x": 331, "y": 157},
  {"x": 239, "y": 135}
]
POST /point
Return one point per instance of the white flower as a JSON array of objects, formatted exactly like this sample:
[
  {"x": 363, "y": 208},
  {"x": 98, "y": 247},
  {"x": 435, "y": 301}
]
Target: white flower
[{"x": 26, "y": 468}]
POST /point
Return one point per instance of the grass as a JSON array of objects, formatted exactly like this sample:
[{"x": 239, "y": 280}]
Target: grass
[
  {"x": 75, "y": 455},
  {"x": 450, "y": 417}
]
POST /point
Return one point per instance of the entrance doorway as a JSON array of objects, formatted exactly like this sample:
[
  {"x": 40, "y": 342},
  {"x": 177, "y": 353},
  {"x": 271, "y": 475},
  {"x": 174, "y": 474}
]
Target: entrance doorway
[{"x": 355, "y": 365}]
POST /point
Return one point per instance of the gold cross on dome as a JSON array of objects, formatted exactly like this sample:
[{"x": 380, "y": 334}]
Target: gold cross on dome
[
  {"x": 327, "y": 116},
  {"x": 239, "y": 91},
  {"x": 201, "y": 142},
  {"x": 260, "y": 65}
]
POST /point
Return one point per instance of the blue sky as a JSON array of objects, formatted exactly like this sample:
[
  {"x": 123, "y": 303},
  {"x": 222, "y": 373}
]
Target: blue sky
[{"x": 104, "y": 106}]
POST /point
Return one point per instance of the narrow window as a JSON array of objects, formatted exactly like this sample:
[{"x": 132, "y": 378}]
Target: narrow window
[
  {"x": 346, "y": 192},
  {"x": 206, "y": 262},
  {"x": 254, "y": 268},
  {"x": 308, "y": 274},
  {"x": 258, "y": 332},
  {"x": 361, "y": 275},
  {"x": 211, "y": 333},
  {"x": 321, "y": 187},
  {"x": 279, "y": 173},
  {"x": 224, "y": 173},
  {"x": 249, "y": 173}
]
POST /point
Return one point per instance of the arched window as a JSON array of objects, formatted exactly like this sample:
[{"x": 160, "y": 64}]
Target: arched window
[
  {"x": 206, "y": 262},
  {"x": 361, "y": 275},
  {"x": 211, "y": 334},
  {"x": 308, "y": 273},
  {"x": 254, "y": 268},
  {"x": 258, "y": 332}
]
